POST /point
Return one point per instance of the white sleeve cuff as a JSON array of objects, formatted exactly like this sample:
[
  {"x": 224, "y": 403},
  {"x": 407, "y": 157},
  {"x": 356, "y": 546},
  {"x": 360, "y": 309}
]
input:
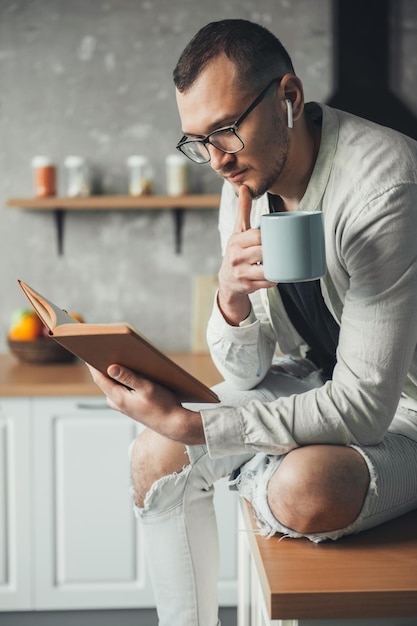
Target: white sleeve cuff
[{"x": 251, "y": 319}]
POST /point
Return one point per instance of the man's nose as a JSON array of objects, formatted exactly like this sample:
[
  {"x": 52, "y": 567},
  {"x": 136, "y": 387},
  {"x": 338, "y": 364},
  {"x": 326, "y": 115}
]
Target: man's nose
[{"x": 218, "y": 158}]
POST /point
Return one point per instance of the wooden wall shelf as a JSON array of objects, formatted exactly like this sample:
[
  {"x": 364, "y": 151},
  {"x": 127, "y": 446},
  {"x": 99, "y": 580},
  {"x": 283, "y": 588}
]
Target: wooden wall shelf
[
  {"x": 115, "y": 203},
  {"x": 59, "y": 206}
]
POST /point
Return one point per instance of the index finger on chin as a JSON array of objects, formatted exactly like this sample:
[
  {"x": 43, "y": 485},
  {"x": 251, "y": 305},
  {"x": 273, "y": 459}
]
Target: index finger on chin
[{"x": 244, "y": 207}]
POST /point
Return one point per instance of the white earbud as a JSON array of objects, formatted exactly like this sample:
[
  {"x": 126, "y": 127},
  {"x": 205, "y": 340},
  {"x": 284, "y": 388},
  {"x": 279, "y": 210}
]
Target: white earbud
[{"x": 289, "y": 112}]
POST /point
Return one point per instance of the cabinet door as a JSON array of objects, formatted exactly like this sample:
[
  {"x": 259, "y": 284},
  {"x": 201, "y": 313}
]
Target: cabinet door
[
  {"x": 89, "y": 551},
  {"x": 15, "y": 505}
]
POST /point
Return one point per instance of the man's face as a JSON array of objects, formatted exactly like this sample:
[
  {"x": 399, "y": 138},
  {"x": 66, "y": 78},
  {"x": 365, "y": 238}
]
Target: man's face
[{"x": 215, "y": 101}]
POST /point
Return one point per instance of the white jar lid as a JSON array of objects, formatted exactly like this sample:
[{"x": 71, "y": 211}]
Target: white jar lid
[
  {"x": 74, "y": 161},
  {"x": 137, "y": 160},
  {"x": 42, "y": 161}
]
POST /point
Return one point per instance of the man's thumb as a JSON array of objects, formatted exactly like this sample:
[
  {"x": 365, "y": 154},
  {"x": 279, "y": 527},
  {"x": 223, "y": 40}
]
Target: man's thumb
[{"x": 114, "y": 371}]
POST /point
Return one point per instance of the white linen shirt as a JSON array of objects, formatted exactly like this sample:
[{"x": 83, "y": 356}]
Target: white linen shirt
[{"x": 365, "y": 182}]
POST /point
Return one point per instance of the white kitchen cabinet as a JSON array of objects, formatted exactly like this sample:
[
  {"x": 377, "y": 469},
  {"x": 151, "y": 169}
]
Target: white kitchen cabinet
[
  {"x": 15, "y": 505},
  {"x": 72, "y": 539},
  {"x": 88, "y": 551}
]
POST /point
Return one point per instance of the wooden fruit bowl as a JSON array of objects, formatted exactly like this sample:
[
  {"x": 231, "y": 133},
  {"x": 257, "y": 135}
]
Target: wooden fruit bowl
[{"x": 41, "y": 350}]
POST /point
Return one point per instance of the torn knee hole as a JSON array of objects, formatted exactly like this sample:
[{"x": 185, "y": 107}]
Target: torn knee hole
[{"x": 145, "y": 491}]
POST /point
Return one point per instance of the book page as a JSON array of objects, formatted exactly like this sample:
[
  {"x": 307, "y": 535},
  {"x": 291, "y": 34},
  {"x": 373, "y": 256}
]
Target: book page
[{"x": 51, "y": 315}]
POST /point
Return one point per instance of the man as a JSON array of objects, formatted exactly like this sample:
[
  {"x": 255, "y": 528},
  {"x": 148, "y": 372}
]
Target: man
[{"x": 322, "y": 442}]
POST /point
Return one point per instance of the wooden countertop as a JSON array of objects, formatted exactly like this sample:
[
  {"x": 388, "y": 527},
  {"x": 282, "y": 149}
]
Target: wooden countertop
[
  {"x": 369, "y": 575},
  {"x": 73, "y": 379}
]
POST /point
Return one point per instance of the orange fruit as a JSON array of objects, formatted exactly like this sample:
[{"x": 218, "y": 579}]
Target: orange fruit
[
  {"x": 29, "y": 327},
  {"x": 18, "y": 314}
]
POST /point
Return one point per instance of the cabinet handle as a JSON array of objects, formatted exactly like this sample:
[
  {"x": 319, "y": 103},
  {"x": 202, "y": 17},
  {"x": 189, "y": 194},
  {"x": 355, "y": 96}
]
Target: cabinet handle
[{"x": 92, "y": 407}]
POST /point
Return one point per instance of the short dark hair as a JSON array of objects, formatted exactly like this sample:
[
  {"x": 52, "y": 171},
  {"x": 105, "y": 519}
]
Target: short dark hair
[{"x": 257, "y": 54}]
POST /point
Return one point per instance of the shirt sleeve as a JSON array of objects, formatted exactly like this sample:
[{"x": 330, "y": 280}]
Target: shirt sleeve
[{"x": 242, "y": 354}]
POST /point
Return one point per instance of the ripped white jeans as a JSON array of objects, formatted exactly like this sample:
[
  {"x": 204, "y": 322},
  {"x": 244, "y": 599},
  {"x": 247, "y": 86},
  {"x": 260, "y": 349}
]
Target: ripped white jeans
[{"x": 179, "y": 524}]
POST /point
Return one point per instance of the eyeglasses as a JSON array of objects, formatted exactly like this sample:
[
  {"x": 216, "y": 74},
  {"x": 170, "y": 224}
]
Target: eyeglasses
[{"x": 225, "y": 139}]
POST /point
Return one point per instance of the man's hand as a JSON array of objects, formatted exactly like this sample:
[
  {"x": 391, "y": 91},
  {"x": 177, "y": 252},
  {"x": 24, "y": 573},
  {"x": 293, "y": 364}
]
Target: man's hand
[
  {"x": 241, "y": 272},
  {"x": 150, "y": 404}
]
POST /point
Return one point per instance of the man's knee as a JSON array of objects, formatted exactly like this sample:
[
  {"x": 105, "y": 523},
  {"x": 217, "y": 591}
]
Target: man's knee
[
  {"x": 152, "y": 457},
  {"x": 319, "y": 488}
]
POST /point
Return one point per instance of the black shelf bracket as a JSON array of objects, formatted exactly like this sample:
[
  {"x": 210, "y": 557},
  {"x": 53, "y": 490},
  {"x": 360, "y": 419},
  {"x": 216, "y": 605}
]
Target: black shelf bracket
[
  {"x": 59, "y": 215},
  {"x": 178, "y": 215}
]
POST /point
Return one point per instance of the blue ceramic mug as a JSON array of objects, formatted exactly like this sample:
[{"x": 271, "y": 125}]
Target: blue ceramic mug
[{"x": 293, "y": 246}]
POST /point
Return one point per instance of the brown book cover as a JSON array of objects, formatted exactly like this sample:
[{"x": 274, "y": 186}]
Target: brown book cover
[{"x": 100, "y": 345}]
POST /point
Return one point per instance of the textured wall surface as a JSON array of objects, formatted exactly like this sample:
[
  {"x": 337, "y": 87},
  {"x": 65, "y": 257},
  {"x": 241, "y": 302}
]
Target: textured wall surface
[{"x": 93, "y": 77}]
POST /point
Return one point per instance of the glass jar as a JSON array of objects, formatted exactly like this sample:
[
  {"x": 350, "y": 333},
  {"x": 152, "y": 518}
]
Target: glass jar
[
  {"x": 177, "y": 175},
  {"x": 78, "y": 179},
  {"x": 44, "y": 175},
  {"x": 140, "y": 175}
]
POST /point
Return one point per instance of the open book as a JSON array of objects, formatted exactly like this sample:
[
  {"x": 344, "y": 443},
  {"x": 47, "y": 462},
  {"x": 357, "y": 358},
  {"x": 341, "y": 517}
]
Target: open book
[{"x": 100, "y": 345}]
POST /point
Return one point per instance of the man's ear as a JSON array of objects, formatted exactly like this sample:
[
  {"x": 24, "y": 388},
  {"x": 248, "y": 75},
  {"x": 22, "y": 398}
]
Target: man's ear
[{"x": 292, "y": 90}]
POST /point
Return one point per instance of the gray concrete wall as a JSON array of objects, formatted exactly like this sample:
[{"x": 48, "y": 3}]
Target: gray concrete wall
[{"x": 93, "y": 77}]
